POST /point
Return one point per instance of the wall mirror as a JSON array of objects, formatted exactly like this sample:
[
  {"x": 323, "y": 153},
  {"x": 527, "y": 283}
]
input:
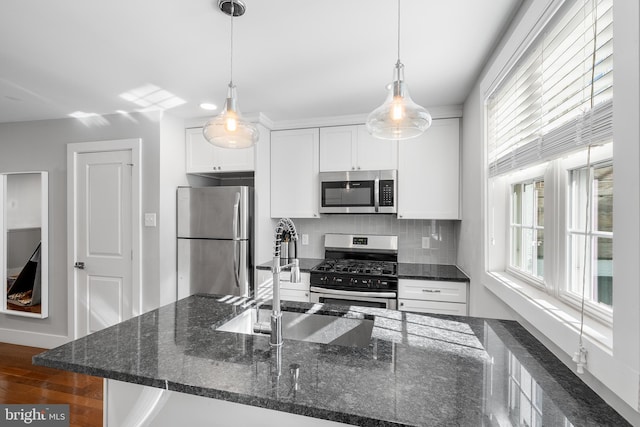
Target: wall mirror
[{"x": 24, "y": 248}]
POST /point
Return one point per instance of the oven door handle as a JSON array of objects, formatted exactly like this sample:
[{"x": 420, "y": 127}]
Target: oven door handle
[{"x": 352, "y": 293}]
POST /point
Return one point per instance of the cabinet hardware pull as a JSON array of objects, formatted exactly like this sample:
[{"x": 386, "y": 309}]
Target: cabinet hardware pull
[{"x": 436, "y": 291}]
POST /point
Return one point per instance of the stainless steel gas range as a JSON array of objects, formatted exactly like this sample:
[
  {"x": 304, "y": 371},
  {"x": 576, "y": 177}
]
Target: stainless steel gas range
[{"x": 359, "y": 269}]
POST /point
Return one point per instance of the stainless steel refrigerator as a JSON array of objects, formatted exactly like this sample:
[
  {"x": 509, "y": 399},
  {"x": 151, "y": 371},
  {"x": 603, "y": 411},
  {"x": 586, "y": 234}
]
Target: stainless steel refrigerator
[{"x": 214, "y": 240}]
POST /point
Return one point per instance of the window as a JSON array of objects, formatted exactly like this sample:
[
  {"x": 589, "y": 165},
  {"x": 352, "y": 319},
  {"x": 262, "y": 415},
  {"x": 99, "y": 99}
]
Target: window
[
  {"x": 553, "y": 107},
  {"x": 594, "y": 237},
  {"x": 527, "y": 228}
]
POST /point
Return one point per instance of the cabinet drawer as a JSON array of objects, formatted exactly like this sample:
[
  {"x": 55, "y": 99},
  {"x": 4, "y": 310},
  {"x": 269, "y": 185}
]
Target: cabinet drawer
[
  {"x": 435, "y": 307},
  {"x": 432, "y": 290},
  {"x": 294, "y": 295}
]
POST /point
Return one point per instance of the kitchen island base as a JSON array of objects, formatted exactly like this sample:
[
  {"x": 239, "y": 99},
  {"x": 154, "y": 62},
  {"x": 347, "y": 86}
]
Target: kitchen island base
[{"x": 128, "y": 405}]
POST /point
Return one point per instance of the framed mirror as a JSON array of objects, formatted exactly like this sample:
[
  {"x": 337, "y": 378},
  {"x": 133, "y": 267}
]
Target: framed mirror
[{"x": 24, "y": 249}]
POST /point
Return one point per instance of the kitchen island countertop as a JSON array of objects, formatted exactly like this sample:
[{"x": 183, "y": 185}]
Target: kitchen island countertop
[{"x": 418, "y": 370}]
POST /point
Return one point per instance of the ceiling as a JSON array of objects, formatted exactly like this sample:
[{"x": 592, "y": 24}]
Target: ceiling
[{"x": 292, "y": 60}]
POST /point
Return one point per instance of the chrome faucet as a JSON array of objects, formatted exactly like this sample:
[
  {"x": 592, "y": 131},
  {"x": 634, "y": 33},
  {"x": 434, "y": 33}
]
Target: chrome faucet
[{"x": 275, "y": 329}]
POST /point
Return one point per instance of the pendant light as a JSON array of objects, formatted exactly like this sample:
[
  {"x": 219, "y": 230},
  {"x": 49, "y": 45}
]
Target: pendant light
[
  {"x": 229, "y": 129},
  {"x": 399, "y": 117}
]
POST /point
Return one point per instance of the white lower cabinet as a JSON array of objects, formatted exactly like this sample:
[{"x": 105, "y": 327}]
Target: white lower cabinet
[
  {"x": 433, "y": 296},
  {"x": 289, "y": 291},
  {"x": 127, "y": 404}
]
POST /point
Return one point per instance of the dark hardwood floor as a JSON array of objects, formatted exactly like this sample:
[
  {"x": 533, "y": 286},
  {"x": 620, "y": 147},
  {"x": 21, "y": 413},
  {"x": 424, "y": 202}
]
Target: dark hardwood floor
[{"x": 23, "y": 383}]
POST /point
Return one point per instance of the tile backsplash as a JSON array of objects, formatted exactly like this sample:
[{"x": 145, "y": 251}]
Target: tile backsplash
[{"x": 442, "y": 240}]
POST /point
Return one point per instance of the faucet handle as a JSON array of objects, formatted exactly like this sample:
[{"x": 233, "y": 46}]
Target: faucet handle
[
  {"x": 260, "y": 327},
  {"x": 295, "y": 272}
]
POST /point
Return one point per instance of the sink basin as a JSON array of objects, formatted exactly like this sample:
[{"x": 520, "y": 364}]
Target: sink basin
[{"x": 316, "y": 328}]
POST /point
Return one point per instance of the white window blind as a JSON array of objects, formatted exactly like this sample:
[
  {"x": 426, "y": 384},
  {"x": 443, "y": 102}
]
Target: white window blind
[{"x": 559, "y": 96}]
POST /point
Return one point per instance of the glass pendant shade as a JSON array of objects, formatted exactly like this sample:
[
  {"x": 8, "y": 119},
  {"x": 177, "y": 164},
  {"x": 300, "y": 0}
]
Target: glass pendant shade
[
  {"x": 399, "y": 117},
  {"x": 229, "y": 129}
]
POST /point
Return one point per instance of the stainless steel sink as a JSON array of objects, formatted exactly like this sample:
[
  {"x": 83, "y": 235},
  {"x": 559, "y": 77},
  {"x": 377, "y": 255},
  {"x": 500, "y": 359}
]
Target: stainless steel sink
[{"x": 308, "y": 327}]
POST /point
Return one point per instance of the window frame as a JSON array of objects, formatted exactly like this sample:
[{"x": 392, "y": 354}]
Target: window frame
[
  {"x": 599, "y": 155},
  {"x": 555, "y": 175},
  {"x": 532, "y": 176}
]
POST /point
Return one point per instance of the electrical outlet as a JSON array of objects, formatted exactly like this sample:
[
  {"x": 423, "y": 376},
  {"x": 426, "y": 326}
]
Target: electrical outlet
[
  {"x": 150, "y": 220},
  {"x": 426, "y": 243},
  {"x": 305, "y": 239}
]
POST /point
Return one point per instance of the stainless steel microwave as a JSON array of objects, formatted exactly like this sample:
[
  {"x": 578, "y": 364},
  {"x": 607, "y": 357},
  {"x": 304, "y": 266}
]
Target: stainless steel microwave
[{"x": 359, "y": 192}]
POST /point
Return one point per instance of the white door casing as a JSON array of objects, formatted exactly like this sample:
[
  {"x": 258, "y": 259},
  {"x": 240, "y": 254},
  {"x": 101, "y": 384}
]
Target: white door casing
[{"x": 103, "y": 226}]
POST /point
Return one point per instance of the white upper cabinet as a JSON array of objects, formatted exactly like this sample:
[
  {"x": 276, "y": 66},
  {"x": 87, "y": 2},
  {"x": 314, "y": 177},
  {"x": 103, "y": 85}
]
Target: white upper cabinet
[
  {"x": 345, "y": 148},
  {"x": 294, "y": 173},
  {"x": 429, "y": 173},
  {"x": 202, "y": 157}
]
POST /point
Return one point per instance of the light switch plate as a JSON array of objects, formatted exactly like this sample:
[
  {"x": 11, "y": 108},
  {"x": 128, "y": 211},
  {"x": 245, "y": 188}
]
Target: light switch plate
[
  {"x": 305, "y": 239},
  {"x": 150, "y": 220}
]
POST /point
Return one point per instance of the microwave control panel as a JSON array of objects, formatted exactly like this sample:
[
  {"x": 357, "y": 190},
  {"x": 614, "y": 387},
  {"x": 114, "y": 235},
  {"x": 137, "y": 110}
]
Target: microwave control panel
[{"x": 386, "y": 192}]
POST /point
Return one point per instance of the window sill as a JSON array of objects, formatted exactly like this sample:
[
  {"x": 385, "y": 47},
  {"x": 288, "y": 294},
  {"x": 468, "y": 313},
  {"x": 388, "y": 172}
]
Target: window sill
[{"x": 548, "y": 314}]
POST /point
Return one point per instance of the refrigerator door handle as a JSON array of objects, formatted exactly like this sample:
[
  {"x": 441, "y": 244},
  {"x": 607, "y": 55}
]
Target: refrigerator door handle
[
  {"x": 236, "y": 215},
  {"x": 236, "y": 263},
  {"x": 236, "y": 239}
]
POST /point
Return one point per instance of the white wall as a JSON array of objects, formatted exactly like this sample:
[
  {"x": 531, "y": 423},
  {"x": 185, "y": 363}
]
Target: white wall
[
  {"x": 41, "y": 145},
  {"x": 619, "y": 367},
  {"x": 482, "y": 302},
  {"x": 172, "y": 167}
]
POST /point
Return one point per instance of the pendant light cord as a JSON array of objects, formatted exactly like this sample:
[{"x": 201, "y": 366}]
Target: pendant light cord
[
  {"x": 398, "y": 31},
  {"x": 581, "y": 355},
  {"x": 589, "y": 184},
  {"x": 233, "y": 3},
  {"x": 587, "y": 239}
]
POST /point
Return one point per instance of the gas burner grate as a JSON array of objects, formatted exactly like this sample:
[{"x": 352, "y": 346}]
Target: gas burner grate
[{"x": 350, "y": 266}]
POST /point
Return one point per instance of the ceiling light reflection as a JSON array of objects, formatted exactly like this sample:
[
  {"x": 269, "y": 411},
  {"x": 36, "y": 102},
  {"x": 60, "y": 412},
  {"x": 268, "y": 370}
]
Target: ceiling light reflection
[{"x": 152, "y": 97}]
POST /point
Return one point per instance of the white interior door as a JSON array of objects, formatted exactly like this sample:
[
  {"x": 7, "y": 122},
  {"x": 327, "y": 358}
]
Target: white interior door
[{"x": 103, "y": 247}]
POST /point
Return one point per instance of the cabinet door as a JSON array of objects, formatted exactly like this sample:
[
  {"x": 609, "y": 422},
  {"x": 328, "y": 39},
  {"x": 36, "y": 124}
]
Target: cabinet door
[
  {"x": 337, "y": 148},
  {"x": 374, "y": 153},
  {"x": 203, "y": 157},
  {"x": 199, "y": 152},
  {"x": 429, "y": 173},
  {"x": 344, "y": 148},
  {"x": 294, "y": 173},
  {"x": 233, "y": 159}
]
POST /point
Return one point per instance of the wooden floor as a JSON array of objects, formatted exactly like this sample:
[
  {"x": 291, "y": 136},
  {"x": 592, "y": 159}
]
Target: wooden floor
[{"x": 23, "y": 383}]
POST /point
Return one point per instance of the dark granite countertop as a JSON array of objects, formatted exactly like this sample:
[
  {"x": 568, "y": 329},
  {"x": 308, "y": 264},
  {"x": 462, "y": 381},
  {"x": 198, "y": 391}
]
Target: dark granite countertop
[
  {"x": 431, "y": 272},
  {"x": 405, "y": 270},
  {"x": 306, "y": 264},
  {"x": 418, "y": 370}
]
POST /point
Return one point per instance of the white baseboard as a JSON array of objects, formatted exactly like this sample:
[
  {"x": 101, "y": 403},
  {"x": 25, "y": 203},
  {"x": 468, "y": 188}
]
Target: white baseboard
[{"x": 32, "y": 339}]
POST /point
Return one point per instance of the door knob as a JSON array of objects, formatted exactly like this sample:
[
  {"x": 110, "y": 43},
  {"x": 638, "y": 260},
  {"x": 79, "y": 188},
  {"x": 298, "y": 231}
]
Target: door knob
[{"x": 79, "y": 265}]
